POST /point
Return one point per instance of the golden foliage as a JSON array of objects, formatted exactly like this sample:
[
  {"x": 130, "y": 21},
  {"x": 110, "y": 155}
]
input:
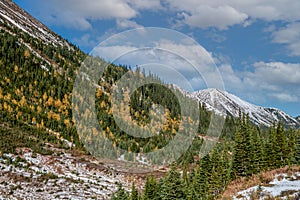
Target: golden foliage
[
  {"x": 58, "y": 103},
  {"x": 16, "y": 69},
  {"x": 7, "y": 97},
  {"x": 27, "y": 53},
  {"x": 39, "y": 109},
  {"x": 67, "y": 122},
  {"x": 49, "y": 102}
]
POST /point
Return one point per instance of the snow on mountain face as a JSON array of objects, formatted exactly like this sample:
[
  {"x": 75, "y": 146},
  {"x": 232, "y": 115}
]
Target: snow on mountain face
[
  {"x": 224, "y": 103},
  {"x": 17, "y": 17}
]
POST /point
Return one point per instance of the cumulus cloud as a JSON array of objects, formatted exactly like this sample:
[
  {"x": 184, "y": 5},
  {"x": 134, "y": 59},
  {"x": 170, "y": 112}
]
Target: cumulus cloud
[
  {"x": 285, "y": 97},
  {"x": 220, "y": 17},
  {"x": 290, "y": 36},
  {"x": 196, "y": 13},
  {"x": 146, "y": 4},
  {"x": 266, "y": 80},
  {"x": 125, "y": 23},
  {"x": 78, "y": 14},
  {"x": 225, "y": 13},
  {"x": 164, "y": 48}
]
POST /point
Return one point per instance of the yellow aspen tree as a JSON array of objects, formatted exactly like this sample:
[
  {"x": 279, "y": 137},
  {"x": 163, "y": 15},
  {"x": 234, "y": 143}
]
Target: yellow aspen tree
[
  {"x": 111, "y": 135},
  {"x": 30, "y": 87},
  {"x": 7, "y": 80},
  {"x": 99, "y": 93},
  {"x": 39, "y": 109},
  {"x": 16, "y": 69},
  {"x": 33, "y": 120},
  {"x": 22, "y": 102},
  {"x": 95, "y": 132},
  {"x": 18, "y": 92},
  {"x": 7, "y": 97},
  {"x": 5, "y": 106},
  {"x": 58, "y": 103},
  {"x": 27, "y": 53},
  {"x": 45, "y": 97},
  {"x": 49, "y": 102},
  {"x": 103, "y": 104},
  {"x": 67, "y": 122},
  {"x": 14, "y": 101}
]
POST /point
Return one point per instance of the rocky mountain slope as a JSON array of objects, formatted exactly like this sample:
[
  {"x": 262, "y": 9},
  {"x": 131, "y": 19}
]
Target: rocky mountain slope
[
  {"x": 20, "y": 19},
  {"x": 224, "y": 103}
]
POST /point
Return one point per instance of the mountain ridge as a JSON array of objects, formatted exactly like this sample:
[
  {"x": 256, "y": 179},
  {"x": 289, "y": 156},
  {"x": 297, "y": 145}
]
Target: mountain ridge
[
  {"x": 223, "y": 103},
  {"x": 15, "y": 16}
]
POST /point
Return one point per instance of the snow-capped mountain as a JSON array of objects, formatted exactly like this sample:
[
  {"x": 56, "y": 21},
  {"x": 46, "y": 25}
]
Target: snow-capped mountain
[
  {"x": 224, "y": 103},
  {"x": 14, "y": 16}
]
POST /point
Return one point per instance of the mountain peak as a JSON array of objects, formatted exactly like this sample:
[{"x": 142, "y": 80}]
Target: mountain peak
[{"x": 223, "y": 103}]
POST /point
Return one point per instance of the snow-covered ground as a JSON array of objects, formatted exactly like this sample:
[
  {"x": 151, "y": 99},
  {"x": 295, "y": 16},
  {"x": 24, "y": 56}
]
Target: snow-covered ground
[
  {"x": 59, "y": 176},
  {"x": 282, "y": 186}
]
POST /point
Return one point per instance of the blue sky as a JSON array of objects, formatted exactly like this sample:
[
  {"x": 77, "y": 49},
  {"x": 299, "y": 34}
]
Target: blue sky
[{"x": 255, "y": 44}]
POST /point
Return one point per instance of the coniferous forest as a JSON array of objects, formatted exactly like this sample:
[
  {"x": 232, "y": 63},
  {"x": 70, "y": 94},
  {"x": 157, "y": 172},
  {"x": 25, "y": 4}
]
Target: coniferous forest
[{"x": 36, "y": 107}]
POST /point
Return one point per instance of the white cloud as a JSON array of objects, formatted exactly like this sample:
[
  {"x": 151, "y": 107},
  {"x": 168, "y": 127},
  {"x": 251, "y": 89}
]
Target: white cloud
[
  {"x": 224, "y": 13},
  {"x": 274, "y": 80},
  {"x": 146, "y": 4},
  {"x": 125, "y": 23},
  {"x": 184, "y": 57},
  {"x": 78, "y": 13},
  {"x": 285, "y": 97},
  {"x": 221, "y": 17},
  {"x": 290, "y": 36},
  {"x": 196, "y": 13}
]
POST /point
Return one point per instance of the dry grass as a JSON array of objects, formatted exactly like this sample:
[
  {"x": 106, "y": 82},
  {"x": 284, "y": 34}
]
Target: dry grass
[{"x": 262, "y": 179}]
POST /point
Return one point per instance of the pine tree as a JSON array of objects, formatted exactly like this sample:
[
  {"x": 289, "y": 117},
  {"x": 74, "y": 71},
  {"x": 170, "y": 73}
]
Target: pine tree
[
  {"x": 151, "y": 192},
  {"x": 281, "y": 146},
  {"x": 216, "y": 176},
  {"x": 297, "y": 149},
  {"x": 269, "y": 150},
  {"x": 173, "y": 185},
  {"x": 201, "y": 179},
  {"x": 121, "y": 194},
  {"x": 256, "y": 151},
  {"x": 134, "y": 193}
]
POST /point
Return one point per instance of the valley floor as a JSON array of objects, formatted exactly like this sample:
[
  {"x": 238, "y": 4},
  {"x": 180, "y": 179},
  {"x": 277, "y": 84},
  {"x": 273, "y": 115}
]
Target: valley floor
[{"x": 62, "y": 175}]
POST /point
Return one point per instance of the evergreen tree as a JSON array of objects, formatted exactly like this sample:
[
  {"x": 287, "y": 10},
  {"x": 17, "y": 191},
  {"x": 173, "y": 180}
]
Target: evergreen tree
[
  {"x": 201, "y": 179},
  {"x": 121, "y": 194},
  {"x": 281, "y": 146},
  {"x": 151, "y": 192},
  {"x": 241, "y": 165},
  {"x": 134, "y": 193},
  {"x": 217, "y": 175},
  {"x": 297, "y": 149},
  {"x": 174, "y": 187}
]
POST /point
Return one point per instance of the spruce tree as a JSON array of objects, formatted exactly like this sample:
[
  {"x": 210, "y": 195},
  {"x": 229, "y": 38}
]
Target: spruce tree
[
  {"x": 201, "y": 179},
  {"x": 134, "y": 193},
  {"x": 216, "y": 175},
  {"x": 174, "y": 185},
  {"x": 297, "y": 149},
  {"x": 121, "y": 194},
  {"x": 151, "y": 192}
]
